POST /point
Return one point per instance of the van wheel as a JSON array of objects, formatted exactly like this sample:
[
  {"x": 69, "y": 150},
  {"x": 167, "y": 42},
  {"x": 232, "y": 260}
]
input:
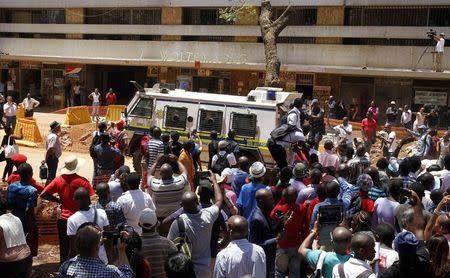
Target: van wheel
[{"x": 137, "y": 158}]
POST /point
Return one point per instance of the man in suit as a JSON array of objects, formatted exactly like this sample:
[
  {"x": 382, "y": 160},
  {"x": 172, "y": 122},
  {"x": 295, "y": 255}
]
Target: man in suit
[{"x": 262, "y": 229}]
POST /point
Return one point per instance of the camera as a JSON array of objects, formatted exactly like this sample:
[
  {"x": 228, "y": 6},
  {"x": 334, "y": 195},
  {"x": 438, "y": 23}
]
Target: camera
[
  {"x": 431, "y": 34},
  {"x": 331, "y": 214},
  {"x": 114, "y": 235}
]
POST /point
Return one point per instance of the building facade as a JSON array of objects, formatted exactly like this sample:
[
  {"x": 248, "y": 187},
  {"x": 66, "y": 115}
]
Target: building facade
[{"x": 355, "y": 50}]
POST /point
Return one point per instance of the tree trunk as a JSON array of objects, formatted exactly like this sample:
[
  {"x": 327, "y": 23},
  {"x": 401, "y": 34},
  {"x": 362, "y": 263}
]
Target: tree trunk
[{"x": 269, "y": 31}]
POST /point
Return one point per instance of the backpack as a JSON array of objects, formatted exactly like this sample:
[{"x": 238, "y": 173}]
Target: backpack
[
  {"x": 95, "y": 141},
  {"x": 355, "y": 205},
  {"x": 284, "y": 119},
  {"x": 221, "y": 164},
  {"x": 182, "y": 241},
  {"x": 364, "y": 274},
  {"x": 278, "y": 133},
  {"x": 318, "y": 272}
]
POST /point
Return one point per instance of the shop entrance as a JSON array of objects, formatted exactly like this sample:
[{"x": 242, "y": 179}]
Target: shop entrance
[
  {"x": 214, "y": 85},
  {"x": 31, "y": 83},
  {"x": 53, "y": 87}
]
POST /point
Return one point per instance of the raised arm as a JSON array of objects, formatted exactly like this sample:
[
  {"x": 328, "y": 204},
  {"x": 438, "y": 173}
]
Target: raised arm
[
  {"x": 430, "y": 225},
  {"x": 218, "y": 197}
]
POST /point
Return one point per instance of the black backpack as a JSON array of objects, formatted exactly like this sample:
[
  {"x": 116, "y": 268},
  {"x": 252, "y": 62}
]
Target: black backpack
[
  {"x": 221, "y": 164},
  {"x": 95, "y": 141},
  {"x": 284, "y": 118}
]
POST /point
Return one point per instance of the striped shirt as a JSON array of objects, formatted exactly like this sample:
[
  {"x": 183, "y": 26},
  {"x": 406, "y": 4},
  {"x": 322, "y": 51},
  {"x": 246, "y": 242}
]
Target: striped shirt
[
  {"x": 376, "y": 192},
  {"x": 166, "y": 194},
  {"x": 155, "y": 147},
  {"x": 155, "y": 249},
  {"x": 407, "y": 180}
]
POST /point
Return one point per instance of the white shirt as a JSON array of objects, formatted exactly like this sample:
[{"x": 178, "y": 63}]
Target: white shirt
[
  {"x": 293, "y": 118},
  {"x": 406, "y": 117},
  {"x": 240, "y": 258},
  {"x": 95, "y": 97},
  {"x": 133, "y": 202},
  {"x": 352, "y": 268},
  {"x": 76, "y": 89},
  {"x": 291, "y": 138},
  {"x": 387, "y": 257},
  {"x": 10, "y": 110},
  {"x": 440, "y": 45},
  {"x": 53, "y": 142},
  {"x": 391, "y": 138},
  {"x": 230, "y": 157},
  {"x": 83, "y": 216},
  {"x": 345, "y": 131},
  {"x": 115, "y": 189},
  {"x": 198, "y": 228},
  {"x": 445, "y": 179},
  {"x": 30, "y": 104}
]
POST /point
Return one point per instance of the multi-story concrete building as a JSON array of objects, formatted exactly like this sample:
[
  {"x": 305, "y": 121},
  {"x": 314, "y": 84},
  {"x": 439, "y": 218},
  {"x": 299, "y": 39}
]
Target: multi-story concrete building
[{"x": 357, "y": 50}]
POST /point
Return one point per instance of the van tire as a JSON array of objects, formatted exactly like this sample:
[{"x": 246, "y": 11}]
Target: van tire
[{"x": 137, "y": 158}]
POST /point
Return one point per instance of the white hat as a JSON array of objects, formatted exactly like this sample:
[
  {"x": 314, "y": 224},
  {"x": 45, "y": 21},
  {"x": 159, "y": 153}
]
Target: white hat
[
  {"x": 228, "y": 174},
  {"x": 72, "y": 165},
  {"x": 222, "y": 144},
  {"x": 148, "y": 218},
  {"x": 257, "y": 170},
  {"x": 393, "y": 102}
]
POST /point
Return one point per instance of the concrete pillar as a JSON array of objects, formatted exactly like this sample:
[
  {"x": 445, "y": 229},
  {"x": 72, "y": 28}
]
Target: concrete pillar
[
  {"x": 74, "y": 16},
  {"x": 248, "y": 16},
  {"x": 171, "y": 16},
  {"x": 330, "y": 16}
]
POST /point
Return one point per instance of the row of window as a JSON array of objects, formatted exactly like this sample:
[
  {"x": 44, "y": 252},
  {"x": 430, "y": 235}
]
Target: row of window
[
  {"x": 207, "y": 120},
  {"x": 354, "y": 16}
]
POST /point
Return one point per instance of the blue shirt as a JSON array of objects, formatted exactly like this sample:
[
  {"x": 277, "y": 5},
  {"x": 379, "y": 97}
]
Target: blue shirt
[
  {"x": 325, "y": 202},
  {"x": 239, "y": 180},
  {"x": 331, "y": 259},
  {"x": 105, "y": 156},
  {"x": 20, "y": 197},
  {"x": 246, "y": 200},
  {"x": 376, "y": 192},
  {"x": 346, "y": 193}
]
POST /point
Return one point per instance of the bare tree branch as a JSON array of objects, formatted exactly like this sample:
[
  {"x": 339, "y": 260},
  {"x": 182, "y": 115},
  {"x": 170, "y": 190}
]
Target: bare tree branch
[
  {"x": 265, "y": 17},
  {"x": 283, "y": 20}
]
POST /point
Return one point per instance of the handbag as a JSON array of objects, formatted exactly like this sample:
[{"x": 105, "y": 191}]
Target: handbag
[{"x": 11, "y": 150}]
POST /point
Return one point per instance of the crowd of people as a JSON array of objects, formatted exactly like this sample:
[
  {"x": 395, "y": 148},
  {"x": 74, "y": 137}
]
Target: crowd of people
[{"x": 318, "y": 213}]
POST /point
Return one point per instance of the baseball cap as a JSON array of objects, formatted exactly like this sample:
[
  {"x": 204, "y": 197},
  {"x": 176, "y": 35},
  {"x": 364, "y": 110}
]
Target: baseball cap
[
  {"x": 227, "y": 174},
  {"x": 148, "y": 218},
  {"x": 18, "y": 158},
  {"x": 300, "y": 170},
  {"x": 393, "y": 102},
  {"x": 222, "y": 144},
  {"x": 442, "y": 34}
]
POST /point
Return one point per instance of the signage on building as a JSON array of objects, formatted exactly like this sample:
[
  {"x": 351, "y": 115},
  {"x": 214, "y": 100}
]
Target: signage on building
[
  {"x": 30, "y": 64},
  {"x": 430, "y": 97},
  {"x": 196, "y": 57},
  {"x": 72, "y": 72}
]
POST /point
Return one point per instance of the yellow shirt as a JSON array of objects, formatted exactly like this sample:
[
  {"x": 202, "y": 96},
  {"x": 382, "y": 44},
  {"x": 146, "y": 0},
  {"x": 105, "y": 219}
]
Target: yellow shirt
[{"x": 186, "y": 159}]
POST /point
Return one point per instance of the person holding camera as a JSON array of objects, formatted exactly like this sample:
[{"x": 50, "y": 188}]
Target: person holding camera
[
  {"x": 85, "y": 214},
  {"x": 88, "y": 242},
  {"x": 439, "y": 52},
  {"x": 112, "y": 209}
]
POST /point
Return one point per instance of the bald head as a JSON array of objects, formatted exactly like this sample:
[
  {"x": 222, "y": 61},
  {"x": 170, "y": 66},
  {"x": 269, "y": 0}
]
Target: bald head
[
  {"x": 189, "y": 202},
  {"x": 264, "y": 199},
  {"x": 243, "y": 163},
  {"x": 82, "y": 198},
  {"x": 343, "y": 171},
  {"x": 341, "y": 239},
  {"x": 238, "y": 227},
  {"x": 290, "y": 195},
  {"x": 166, "y": 171},
  {"x": 102, "y": 190}
]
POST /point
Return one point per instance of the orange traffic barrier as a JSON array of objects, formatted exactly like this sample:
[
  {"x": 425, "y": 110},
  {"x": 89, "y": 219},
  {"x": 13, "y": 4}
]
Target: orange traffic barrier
[
  {"x": 30, "y": 131},
  {"x": 114, "y": 112},
  {"x": 77, "y": 115},
  {"x": 20, "y": 111}
]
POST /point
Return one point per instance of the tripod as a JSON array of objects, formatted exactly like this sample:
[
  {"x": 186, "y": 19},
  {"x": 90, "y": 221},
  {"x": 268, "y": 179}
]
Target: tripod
[{"x": 430, "y": 43}]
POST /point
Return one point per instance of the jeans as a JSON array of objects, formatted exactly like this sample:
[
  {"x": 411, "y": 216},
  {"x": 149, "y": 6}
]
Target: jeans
[
  {"x": 315, "y": 136},
  {"x": 52, "y": 165},
  {"x": 287, "y": 262},
  {"x": 368, "y": 145},
  {"x": 64, "y": 243},
  {"x": 8, "y": 168},
  {"x": 17, "y": 269},
  {"x": 11, "y": 121},
  {"x": 67, "y": 99},
  {"x": 29, "y": 113}
]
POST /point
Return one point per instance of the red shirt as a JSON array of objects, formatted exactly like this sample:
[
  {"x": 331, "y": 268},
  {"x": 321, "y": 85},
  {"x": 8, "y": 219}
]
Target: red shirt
[
  {"x": 367, "y": 204},
  {"x": 370, "y": 127},
  {"x": 111, "y": 98},
  {"x": 65, "y": 186},
  {"x": 14, "y": 177},
  {"x": 293, "y": 227}
]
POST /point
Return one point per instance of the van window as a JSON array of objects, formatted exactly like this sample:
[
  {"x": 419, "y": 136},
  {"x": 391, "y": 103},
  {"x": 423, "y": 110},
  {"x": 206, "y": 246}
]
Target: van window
[
  {"x": 244, "y": 124},
  {"x": 175, "y": 117},
  {"x": 210, "y": 120},
  {"x": 143, "y": 108}
]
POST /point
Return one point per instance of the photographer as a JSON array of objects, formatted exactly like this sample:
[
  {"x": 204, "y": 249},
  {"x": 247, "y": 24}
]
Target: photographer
[
  {"x": 439, "y": 51},
  {"x": 88, "y": 242}
]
